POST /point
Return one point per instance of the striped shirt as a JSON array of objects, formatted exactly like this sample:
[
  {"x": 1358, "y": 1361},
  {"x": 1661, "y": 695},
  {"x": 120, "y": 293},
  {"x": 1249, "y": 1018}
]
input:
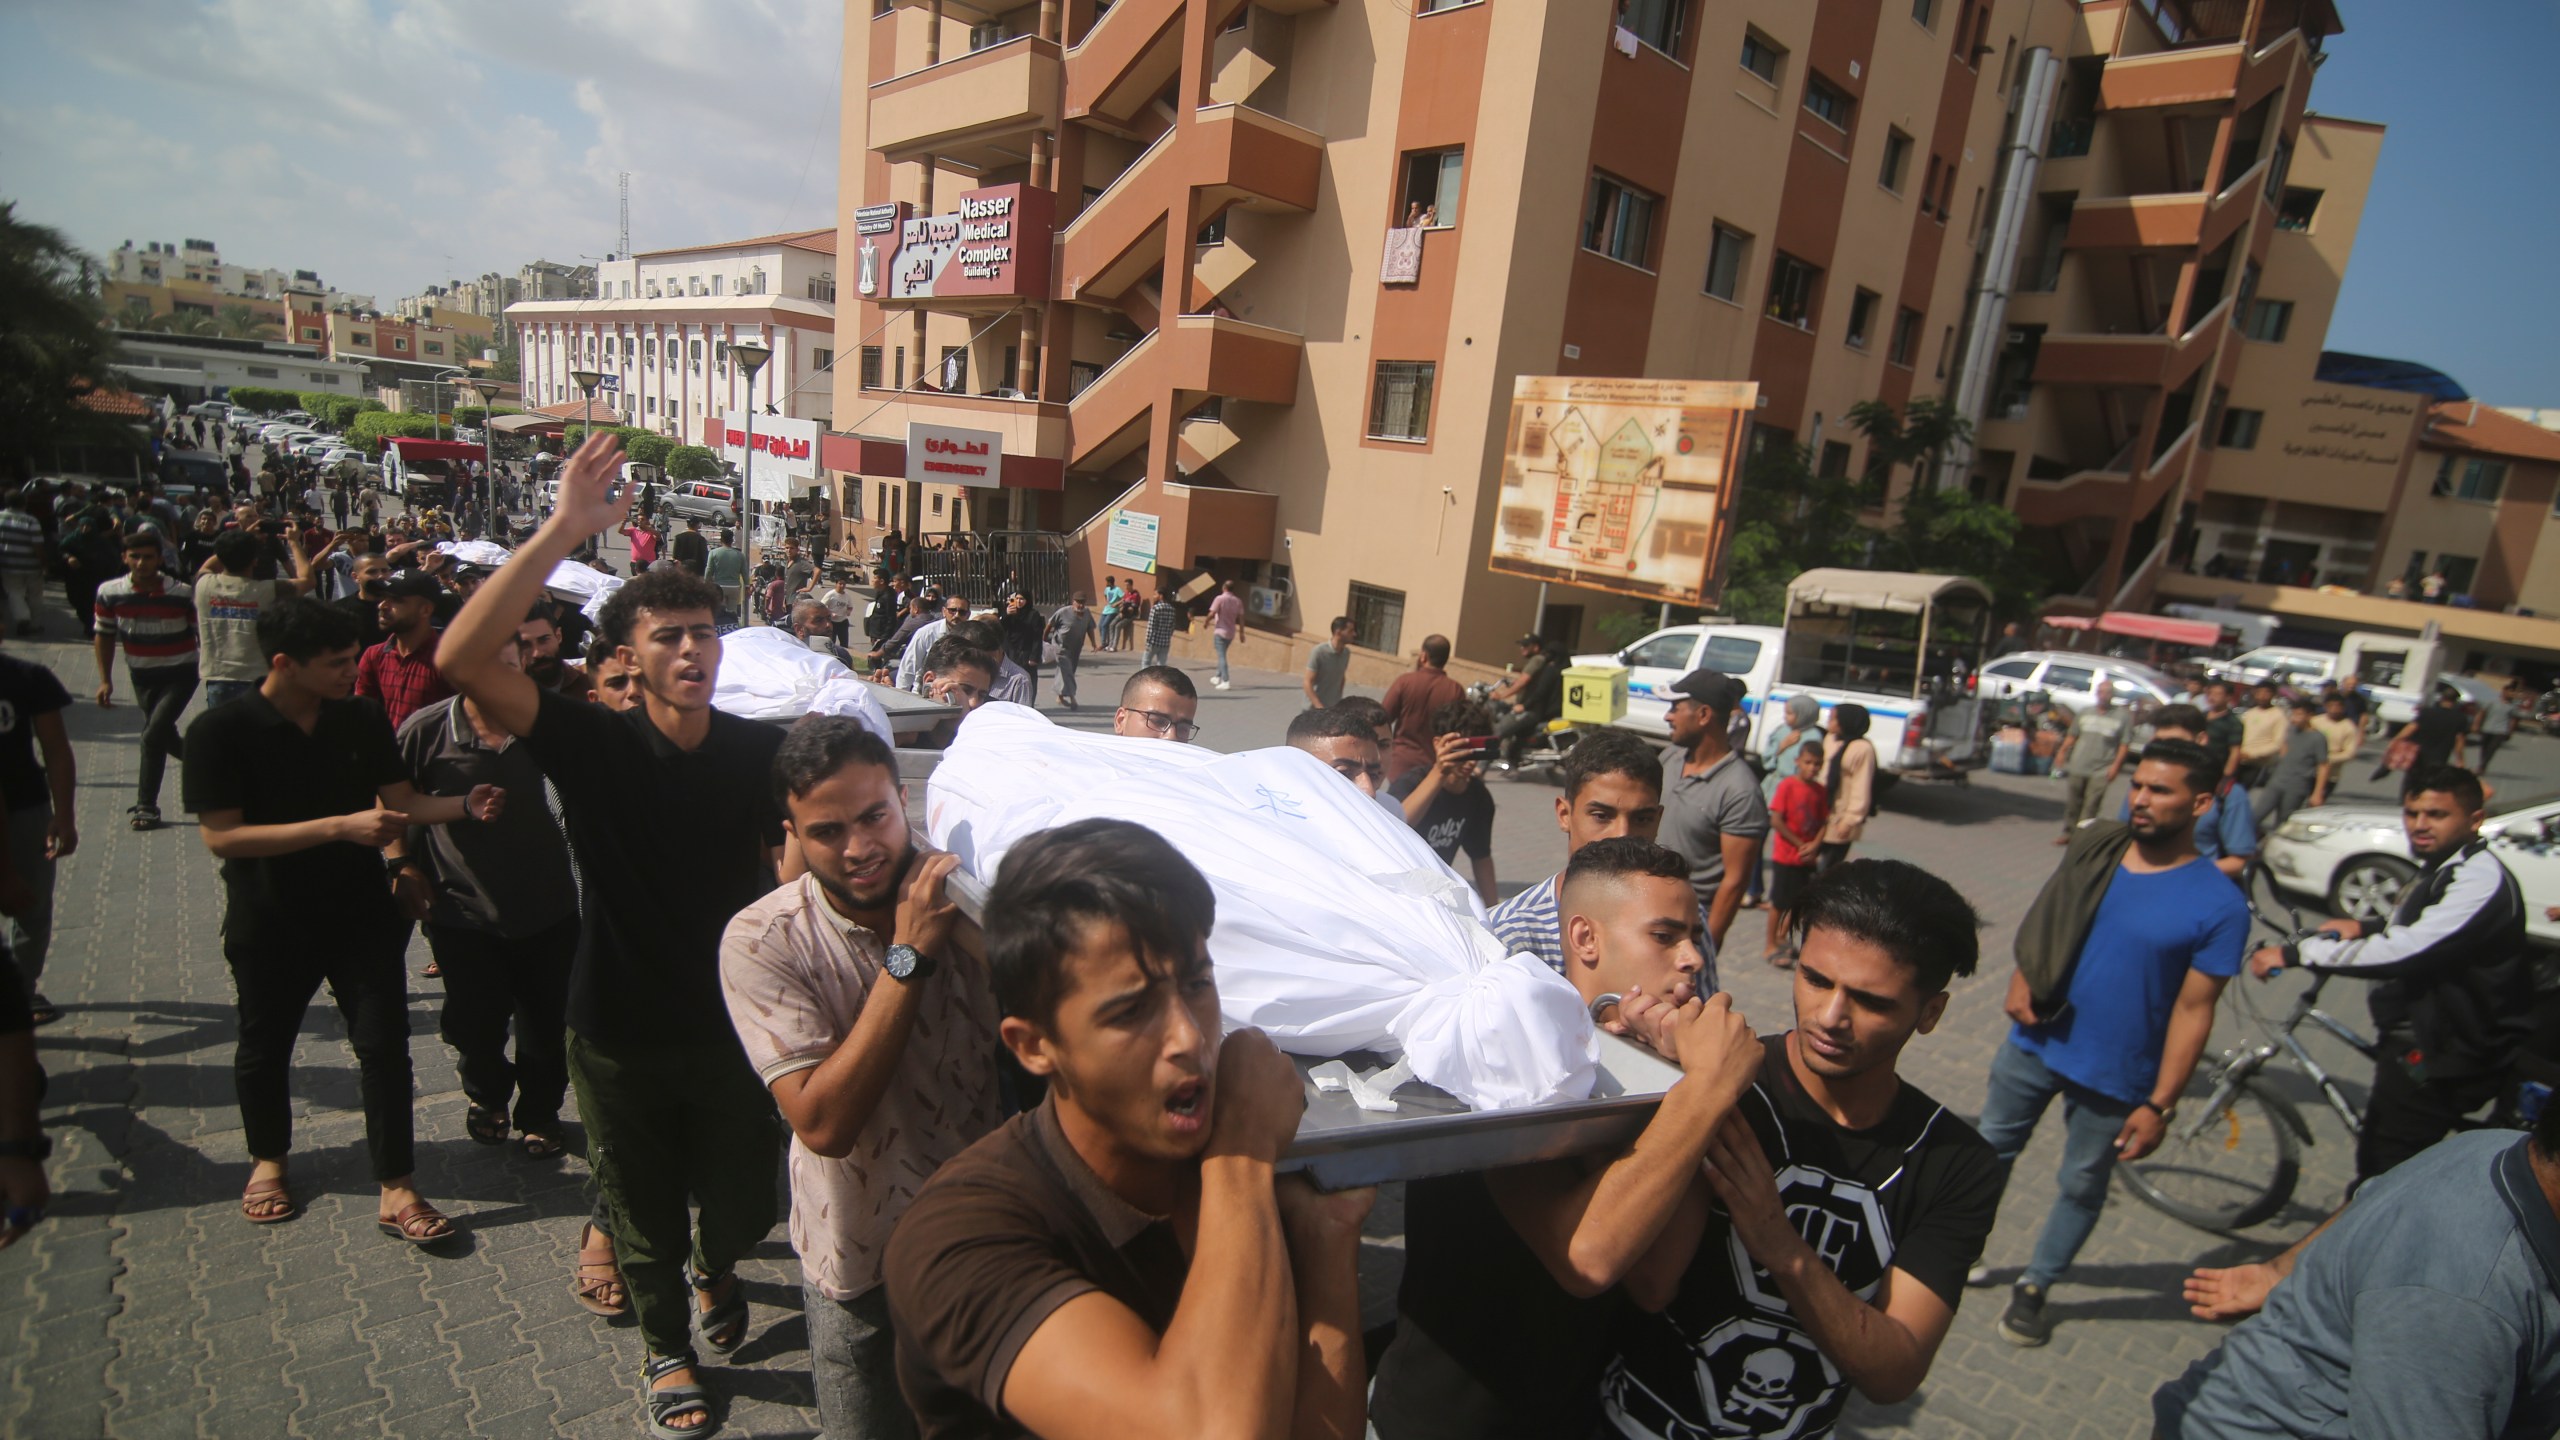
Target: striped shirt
[
  {"x": 21, "y": 541},
  {"x": 158, "y": 629},
  {"x": 1527, "y": 924}
]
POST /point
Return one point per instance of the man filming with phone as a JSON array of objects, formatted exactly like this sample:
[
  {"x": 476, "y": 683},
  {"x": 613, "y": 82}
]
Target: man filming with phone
[{"x": 1445, "y": 802}]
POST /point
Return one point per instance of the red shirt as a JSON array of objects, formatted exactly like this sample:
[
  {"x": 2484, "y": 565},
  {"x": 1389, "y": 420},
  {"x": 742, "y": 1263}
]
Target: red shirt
[
  {"x": 1802, "y": 807},
  {"x": 404, "y": 683},
  {"x": 644, "y": 546},
  {"x": 1409, "y": 702}
]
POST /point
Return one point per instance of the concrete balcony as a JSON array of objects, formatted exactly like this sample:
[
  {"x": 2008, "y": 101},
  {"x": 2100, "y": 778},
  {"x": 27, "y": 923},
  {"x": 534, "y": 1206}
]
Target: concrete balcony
[
  {"x": 959, "y": 106},
  {"x": 2137, "y": 222},
  {"x": 2097, "y": 491},
  {"x": 2109, "y": 360},
  {"x": 1134, "y": 51},
  {"x": 1234, "y": 155},
  {"x": 2203, "y": 75},
  {"x": 1175, "y": 368}
]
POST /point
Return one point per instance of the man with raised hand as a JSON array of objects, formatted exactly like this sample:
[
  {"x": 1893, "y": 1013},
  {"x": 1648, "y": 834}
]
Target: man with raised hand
[{"x": 671, "y": 813}]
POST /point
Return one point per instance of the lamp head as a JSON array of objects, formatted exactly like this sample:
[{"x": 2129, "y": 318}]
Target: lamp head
[
  {"x": 750, "y": 355},
  {"x": 586, "y": 380}
]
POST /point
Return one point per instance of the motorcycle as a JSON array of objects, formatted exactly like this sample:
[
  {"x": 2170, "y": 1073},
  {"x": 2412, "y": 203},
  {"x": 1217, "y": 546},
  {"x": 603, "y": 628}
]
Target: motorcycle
[{"x": 1540, "y": 756}]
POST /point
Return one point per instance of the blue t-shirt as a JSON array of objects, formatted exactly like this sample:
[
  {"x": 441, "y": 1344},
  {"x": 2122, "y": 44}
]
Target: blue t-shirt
[
  {"x": 2150, "y": 930},
  {"x": 2229, "y": 825}
]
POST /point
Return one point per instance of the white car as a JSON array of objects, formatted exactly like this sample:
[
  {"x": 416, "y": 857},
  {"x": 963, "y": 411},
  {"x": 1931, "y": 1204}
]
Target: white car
[
  {"x": 2354, "y": 858},
  {"x": 1657, "y": 661},
  {"x": 2278, "y": 664},
  {"x": 2071, "y": 678},
  {"x": 335, "y": 454}
]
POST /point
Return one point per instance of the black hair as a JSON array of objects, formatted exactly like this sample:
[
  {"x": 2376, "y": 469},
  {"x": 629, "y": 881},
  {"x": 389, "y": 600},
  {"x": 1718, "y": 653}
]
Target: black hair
[
  {"x": 544, "y": 609},
  {"x": 1622, "y": 856},
  {"x": 2180, "y": 716},
  {"x": 302, "y": 628},
  {"x": 1365, "y": 707},
  {"x": 1903, "y": 910},
  {"x": 2204, "y": 769},
  {"x": 668, "y": 592},
  {"x": 1091, "y": 873},
  {"x": 951, "y": 651},
  {"x": 979, "y": 635},
  {"x": 140, "y": 540},
  {"x": 1338, "y": 622},
  {"x": 239, "y": 551},
  {"x": 1164, "y": 675},
  {"x": 1852, "y": 720},
  {"x": 2451, "y": 780},
  {"x": 1317, "y": 723},
  {"x": 816, "y": 747},
  {"x": 1610, "y": 752},
  {"x": 1462, "y": 717},
  {"x": 1435, "y": 651}
]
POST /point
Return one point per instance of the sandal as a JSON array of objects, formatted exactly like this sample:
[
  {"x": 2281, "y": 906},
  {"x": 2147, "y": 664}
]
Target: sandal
[
  {"x": 143, "y": 817},
  {"x": 661, "y": 1406},
  {"x": 431, "y": 971},
  {"x": 414, "y": 1224},
  {"x": 263, "y": 1194},
  {"x": 489, "y": 1127},
  {"x": 602, "y": 1294},
  {"x": 538, "y": 1146},
  {"x": 41, "y": 1011},
  {"x": 724, "y": 1325}
]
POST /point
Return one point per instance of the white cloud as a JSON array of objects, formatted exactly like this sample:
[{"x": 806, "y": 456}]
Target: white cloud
[{"x": 371, "y": 139}]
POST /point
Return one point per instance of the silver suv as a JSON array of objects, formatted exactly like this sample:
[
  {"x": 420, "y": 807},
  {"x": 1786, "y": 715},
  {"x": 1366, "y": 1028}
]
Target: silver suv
[{"x": 708, "y": 501}]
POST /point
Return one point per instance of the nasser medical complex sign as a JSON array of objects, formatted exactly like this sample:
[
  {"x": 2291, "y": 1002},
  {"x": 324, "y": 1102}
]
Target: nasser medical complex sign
[{"x": 995, "y": 245}]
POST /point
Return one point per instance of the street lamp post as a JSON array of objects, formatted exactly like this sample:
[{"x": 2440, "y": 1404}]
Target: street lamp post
[
  {"x": 750, "y": 355},
  {"x": 487, "y": 390},
  {"x": 587, "y": 380}
]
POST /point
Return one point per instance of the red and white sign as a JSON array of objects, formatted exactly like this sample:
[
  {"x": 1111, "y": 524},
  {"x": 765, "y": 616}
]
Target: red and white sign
[
  {"x": 949, "y": 455},
  {"x": 997, "y": 243},
  {"x": 786, "y": 451}
]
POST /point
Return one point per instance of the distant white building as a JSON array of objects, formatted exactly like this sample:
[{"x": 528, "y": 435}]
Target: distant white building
[
  {"x": 205, "y": 367},
  {"x": 661, "y": 324},
  {"x": 193, "y": 263}
]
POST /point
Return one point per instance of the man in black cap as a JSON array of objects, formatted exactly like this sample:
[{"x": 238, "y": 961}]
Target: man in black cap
[
  {"x": 1525, "y": 703},
  {"x": 1712, "y": 813},
  {"x": 400, "y": 672}
]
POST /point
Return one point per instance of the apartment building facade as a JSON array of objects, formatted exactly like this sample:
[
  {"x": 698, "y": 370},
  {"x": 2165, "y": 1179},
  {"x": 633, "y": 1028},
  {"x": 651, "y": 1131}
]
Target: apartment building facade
[
  {"x": 1800, "y": 196},
  {"x": 658, "y": 326}
]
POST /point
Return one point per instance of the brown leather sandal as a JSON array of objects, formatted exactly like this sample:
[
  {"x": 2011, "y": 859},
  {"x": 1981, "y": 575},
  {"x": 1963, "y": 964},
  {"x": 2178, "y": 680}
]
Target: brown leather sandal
[
  {"x": 262, "y": 1194},
  {"x": 416, "y": 1224},
  {"x": 601, "y": 1294}
]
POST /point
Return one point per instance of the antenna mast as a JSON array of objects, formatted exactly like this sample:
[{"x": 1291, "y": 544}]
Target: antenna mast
[{"x": 624, "y": 249}]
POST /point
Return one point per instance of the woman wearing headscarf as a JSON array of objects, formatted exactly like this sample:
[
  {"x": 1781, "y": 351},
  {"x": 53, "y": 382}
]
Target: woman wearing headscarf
[
  {"x": 1849, "y": 774},
  {"x": 1778, "y": 761}
]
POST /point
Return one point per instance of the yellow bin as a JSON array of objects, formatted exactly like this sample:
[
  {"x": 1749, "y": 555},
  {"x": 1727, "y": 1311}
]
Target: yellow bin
[{"x": 1595, "y": 694}]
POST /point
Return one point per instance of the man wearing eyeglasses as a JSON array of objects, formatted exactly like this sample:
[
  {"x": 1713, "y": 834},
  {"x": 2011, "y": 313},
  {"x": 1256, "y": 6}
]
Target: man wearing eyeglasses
[
  {"x": 911, "y": 661},
  {"x": 1158, "y": 703}
]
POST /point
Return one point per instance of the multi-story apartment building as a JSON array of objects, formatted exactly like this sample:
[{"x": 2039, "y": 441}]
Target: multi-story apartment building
[
  {"x": 194, "y": 272},
  {"x": 659, "y": 329},
  {"x": 351, "y": 335},
  {"x": 551, "y": 280}
]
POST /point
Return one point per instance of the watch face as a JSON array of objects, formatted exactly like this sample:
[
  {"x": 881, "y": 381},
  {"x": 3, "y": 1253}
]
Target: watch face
[{"x": 902, "y": 962}]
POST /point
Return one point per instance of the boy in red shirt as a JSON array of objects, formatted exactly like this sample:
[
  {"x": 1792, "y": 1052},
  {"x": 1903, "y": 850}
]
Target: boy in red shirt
[{"x": 1797, "y": 814}]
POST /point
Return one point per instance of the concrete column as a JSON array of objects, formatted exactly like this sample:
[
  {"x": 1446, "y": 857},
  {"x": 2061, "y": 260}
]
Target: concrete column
[
  {"x": 1026, "y": 350},
  {"x": 924, "y": 206},
  {"x": 1049, "y": 21},
  {"x": 933, "y": 33}
]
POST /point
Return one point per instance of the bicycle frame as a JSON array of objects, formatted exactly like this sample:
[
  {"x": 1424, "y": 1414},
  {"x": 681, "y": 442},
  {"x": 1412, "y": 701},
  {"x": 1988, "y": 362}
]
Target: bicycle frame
[{"x": 2241, "y": 1063}]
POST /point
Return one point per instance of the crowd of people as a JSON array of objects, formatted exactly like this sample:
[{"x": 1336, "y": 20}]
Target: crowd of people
[{"x": 1032, "y": 1183}]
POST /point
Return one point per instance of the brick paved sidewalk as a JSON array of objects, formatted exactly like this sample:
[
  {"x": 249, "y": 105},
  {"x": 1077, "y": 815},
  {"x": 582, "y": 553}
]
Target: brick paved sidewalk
[{"x": 144, "y": 1306}]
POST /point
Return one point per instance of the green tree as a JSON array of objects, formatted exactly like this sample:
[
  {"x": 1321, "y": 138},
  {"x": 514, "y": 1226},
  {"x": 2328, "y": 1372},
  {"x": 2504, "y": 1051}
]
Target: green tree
[
  {"x": 1944, "y": 530},
  {"x": 368, "y": 430},
  {"x": 506, "y": 367},
  {"x": 647, "y": 449},
  {"x": 1788, "y": 520},
  {"x": 264, "y": 399},
  {"x": 692, "y": 462},
  {"x": 239, "y": 322},
  {"x": 55, "y": 344}
]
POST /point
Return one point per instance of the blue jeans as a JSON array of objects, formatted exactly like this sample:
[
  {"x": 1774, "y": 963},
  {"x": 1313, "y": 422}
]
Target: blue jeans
[
  {"x": 1220, "y": 644},
  {"x": 223, "y": 692},
  {"x": 2021, "y": 1086}
]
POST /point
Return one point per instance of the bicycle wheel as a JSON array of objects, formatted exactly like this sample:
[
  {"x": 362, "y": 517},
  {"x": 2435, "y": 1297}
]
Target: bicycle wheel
[{"x": 2235, "y": 1169}]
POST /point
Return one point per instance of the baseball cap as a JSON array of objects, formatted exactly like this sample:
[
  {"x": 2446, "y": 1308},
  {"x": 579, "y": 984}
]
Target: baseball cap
[
  {"x": 1714, "y": 689},
  {"x": 1531, "y": 639},
  {"x": 413, "y": 584}
]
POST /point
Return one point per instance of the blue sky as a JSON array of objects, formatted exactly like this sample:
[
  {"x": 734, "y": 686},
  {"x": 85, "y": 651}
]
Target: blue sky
[{"x": 372, "y": 139}]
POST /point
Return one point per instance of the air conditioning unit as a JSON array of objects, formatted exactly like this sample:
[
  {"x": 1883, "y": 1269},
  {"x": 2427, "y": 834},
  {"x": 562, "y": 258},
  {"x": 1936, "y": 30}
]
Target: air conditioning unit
[
  {"x": 1265, "y": 601},
  {"x": 990, "y": 33}
]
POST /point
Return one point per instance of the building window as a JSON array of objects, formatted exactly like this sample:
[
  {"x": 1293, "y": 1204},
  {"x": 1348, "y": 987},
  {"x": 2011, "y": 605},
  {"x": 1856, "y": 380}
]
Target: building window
[
  {"x": 399, "y": 342},
  {"x": 2269, "y": 320},
  {"x": 2240, "y": 429},
  {"x": 1762, "y": 56},
  {"x": 310, "y": 334},
  {"x": 360, "y": 337},
  {"x": 1835, "y": 460},
  {"x": 650, "y": 405},
  {"x": 1431, "y": 184},
  {"x": 1377, "y": 618},
  {"x": 1827, "y": 101},
  {"x": 1793, "y": 287},
  {"x": 1658, "y": 23},
  {"x": 1906, "y": 338},
  {"x": 1434, "y": 7},
  {"x": 1862, "y": 312},
  {"x": 821, "y": 359},
  {"x": 1400, "y": 402},
  {"x": 1897, "y": 160},
  {"x": 2471, "y": 477},
  {"x": 1725, "y": 256},
  {"x": 870, "y": 367},
  {"x": 1946, "y": 342},
  {"x": 693, "y": 352},
  {"x": 716, "y": 282},
  {"x": 1618, "y": 222},
  {"x": 435, "y": 347},
  {"x": 1926, "y": 12},
  {"x": 955, "y": 370},
  {"x": 262, "y": 372},
  {"x": 649, "y": 352},
  {"x": 2300, "y": 208}
]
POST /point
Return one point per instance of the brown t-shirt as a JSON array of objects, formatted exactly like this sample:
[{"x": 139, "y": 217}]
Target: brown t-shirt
[
  {"x": 1016, "y": 1227},
  {"x": 1410, "y": 702}
]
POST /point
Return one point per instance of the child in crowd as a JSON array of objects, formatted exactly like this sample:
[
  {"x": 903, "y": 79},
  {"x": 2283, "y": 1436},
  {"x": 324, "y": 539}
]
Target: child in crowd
[{"x": 1797, "y": 814}]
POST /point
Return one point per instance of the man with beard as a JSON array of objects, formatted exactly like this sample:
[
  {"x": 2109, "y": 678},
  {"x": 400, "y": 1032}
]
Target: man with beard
[
  {"x": 1121, "y": 1261},
  {"x": 877, "y": 1037},
  {"x": 366, "y": 575},
  {"x": 671, "y": 815},
  {"x": 540, "y": 636},
  {"x": 1769, "y": 1297}
]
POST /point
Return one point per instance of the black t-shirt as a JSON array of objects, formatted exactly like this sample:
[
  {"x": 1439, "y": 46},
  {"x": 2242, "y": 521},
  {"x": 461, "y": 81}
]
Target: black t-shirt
[
  {"x": 1488, "y": 1346},
  {"x": 27, "y": 690},
  {"x": 1915, "y": 1193},
  {"x": 16, "y": 1015},
  {"x": 1455, "y": 820},
  {"x": 246, "y": 756},
  {"x": 670, "y": 844},
  {"x": 2438, "y": 727}
]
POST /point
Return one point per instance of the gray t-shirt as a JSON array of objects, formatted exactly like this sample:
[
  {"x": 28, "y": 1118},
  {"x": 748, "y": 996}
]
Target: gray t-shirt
[
  {"x": 1698, "y": 811},
  {"x": 1328, "y": 666},
  {"x": 2094, "y": 736},
  {"x": 2298, "y": 768},
  {"x": 2432, "y": 1308}
]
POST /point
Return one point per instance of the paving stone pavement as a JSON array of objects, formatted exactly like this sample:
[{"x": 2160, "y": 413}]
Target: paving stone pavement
[{"x": 144, "y": 1307}]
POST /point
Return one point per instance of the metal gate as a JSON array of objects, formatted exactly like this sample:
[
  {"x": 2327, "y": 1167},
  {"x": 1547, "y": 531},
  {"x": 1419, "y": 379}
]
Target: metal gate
[{"x": 974, "y": 563}]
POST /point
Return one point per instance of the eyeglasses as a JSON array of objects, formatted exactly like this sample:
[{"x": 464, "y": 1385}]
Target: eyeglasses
[
  {"x": 955, "y": 612},
  {"x": 1164, "y": 724}
]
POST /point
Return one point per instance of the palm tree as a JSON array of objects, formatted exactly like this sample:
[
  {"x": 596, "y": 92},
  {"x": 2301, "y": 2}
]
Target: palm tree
[
  {"x": 55, "y": 344},
  {"x": 1918, "y": 436},
  {"x": 239, "y": 322}
]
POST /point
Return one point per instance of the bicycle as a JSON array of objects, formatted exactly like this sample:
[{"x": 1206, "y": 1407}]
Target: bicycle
[{"x": 2234, "y": 1160}]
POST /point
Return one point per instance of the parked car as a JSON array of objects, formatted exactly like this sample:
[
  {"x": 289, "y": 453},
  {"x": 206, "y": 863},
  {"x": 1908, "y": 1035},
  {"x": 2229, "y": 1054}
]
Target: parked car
[
  {"x": 705, "y": 500},
  {"x": 1661, "y": 658},
  {"x": 2354, "y": 858},
  {"x": 2281, "y": 664},
  {"x": 297, "y": 417},
  {"x": 2071, "y": 678}
]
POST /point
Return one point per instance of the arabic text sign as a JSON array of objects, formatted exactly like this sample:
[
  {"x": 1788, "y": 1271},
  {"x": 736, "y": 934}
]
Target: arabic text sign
[
  {"x": 1621, "y": 484},
  {"x": 786, "y": 450},
  {"x": 950, "y": 455},
  {"x": 1131, "y": 542}
]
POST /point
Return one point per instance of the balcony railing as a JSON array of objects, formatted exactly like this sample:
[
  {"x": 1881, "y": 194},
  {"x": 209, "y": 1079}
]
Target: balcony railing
[
  {"x": 2040, "y": 274},
  {"x": 2070, "y": 139}
]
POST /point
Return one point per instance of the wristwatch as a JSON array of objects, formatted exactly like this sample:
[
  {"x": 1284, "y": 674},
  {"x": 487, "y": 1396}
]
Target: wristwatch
[
  {"x": 2166, "y": 1115},
  {"x": 906, "y": 962},
  {"x": 36, "y": 1149}
]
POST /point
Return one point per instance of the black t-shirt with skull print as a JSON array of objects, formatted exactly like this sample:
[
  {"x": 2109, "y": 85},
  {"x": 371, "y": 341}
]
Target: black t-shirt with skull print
[{"x": 1726, "y": 1356}]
